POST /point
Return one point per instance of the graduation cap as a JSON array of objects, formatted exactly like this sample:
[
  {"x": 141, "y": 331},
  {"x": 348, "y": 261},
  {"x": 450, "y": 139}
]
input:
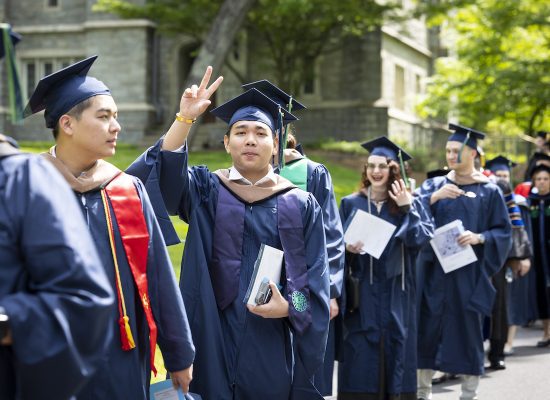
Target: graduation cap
[
  {"x": 57, "y": 93},
  {"x": 542, "y": 134},
  {"x": 500, "y": 163},
  {"x": 14, "y": 38},
  {"x": 538, "y": 168},
  {"x": 253, "y": 105},
  {"x": 382, "y": 146},
  {"x": 277, "y": 95},
  {"x": 467, "y": 136},
  {"x": 436, "y": 172}
]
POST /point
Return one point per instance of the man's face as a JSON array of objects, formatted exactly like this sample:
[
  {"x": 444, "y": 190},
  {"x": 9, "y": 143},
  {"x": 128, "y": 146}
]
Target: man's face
[
  {"x": 541, "y": 181},
  {"x": 251, "y": 146},
  {"x": 503, "y": 174},
  {"x": 97, "y": 129},
  {"x": 451, "y": 153}
]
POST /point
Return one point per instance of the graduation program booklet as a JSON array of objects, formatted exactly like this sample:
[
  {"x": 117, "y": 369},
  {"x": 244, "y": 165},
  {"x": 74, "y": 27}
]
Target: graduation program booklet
[
  {"x": 374, "y": 232},
  {"x": 450, "y": 254},
  {"x": 268, "y": 265},
  {"x": 165, "y": 391}
]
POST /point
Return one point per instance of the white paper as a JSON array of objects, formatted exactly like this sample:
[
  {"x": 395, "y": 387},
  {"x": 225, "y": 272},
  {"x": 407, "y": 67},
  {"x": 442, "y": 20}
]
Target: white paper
[
  {"x": 450, "y": 254},
  {"x": 165, "y": 391},
  {"x": 374, "y": 232},
  {"x": 268, "y": 265}
]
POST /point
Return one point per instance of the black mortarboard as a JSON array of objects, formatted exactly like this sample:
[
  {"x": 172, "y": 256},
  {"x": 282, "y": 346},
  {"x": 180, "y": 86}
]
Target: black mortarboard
[
  {"x": 15, "y": 38},
  {"x": 465, "y": 135},
  {"x": 277, "y": 95},
  {"x": 436, "y": 172},
  {"x": 253, "y": 105},
  {"x": 382, "y": 146},
  {"x": 538, "y": 168},
  {"x": 500, "y": 163},
  {"x": 57, "y": 93}
]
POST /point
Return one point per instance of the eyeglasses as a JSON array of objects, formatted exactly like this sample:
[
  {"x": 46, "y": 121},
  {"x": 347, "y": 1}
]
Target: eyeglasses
[{"x": 381, "y": 167}]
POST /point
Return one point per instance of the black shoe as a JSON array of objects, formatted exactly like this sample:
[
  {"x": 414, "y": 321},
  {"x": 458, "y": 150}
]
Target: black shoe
[
  {"x": 543, "y": 343},
  {"x": 497, "y": 365}
]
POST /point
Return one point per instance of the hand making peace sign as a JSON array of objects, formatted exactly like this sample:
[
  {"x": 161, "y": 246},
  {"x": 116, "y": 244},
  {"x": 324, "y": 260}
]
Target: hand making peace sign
[{"x": 195, "y": 100}]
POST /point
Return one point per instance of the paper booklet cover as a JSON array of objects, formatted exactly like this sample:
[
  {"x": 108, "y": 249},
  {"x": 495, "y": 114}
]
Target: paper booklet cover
[
  {"x": 450, "y": 254},
  {"x": 269, "y": 265},
  {"x": 165, "y": 391},
  {"x": 374, "y": 232}
]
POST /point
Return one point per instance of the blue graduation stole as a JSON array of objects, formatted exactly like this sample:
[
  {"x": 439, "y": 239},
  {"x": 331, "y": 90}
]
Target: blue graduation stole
[{"x": 227, "y": 253}]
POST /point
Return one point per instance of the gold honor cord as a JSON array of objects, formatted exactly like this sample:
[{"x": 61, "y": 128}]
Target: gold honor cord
[{"x": 125, "y": 330}]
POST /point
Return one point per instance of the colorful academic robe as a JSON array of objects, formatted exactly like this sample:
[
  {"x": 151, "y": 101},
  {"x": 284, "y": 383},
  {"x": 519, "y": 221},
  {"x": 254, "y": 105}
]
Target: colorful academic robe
[
  {"x": 126, "y": 374},
  {"x": 52, "y": 285},
  {"x": 539, "y": 207},
  {"x": 241, "y": 355},
  {"x": 452, "y": 306},
  {"x": 319, "y": 183},
  {"x": 385, "y": 321}
]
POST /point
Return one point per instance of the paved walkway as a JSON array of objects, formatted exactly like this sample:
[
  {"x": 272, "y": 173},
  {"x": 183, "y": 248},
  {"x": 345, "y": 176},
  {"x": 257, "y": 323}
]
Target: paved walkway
[{"x": 527, "y": 376}]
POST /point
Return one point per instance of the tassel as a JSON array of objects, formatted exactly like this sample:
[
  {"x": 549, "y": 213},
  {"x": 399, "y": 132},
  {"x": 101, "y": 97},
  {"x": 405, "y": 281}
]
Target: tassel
[{"x": 126, "y": 334}]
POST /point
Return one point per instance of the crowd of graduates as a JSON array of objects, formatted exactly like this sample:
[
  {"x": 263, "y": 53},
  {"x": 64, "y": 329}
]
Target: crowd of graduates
[{"x": 87, "y": 291}]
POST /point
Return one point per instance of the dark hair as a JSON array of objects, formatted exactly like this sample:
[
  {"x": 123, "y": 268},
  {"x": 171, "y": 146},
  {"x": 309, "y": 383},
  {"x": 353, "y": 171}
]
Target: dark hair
[
  {"x": 75, "y": 112},
  {"x": 394, "y": 175},
  {"x": 291, "y": 141}
]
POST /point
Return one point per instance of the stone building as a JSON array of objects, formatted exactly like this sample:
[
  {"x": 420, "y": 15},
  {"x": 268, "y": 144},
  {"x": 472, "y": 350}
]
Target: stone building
[{"x": 364, "y": 89}]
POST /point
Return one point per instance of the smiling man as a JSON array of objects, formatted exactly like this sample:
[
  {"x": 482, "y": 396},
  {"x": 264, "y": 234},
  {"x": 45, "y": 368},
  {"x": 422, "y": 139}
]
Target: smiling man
[
  {"x": 452, "y": 305},
  {"x": 83, "y": 116},
  {"x": 245, "y": 352}
]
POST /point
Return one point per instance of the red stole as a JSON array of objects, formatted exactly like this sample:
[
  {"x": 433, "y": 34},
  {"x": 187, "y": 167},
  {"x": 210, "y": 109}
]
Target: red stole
[{"x": 127, "y": 207}]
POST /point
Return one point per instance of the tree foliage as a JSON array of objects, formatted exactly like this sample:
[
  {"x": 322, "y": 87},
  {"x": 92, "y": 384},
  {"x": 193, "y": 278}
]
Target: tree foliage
[
  {"x": 498, "y": 77},
  {"x": 295, "y": 32}
]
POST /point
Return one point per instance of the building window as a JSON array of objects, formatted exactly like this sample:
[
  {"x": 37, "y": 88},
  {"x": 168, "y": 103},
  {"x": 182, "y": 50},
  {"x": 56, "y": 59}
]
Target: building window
[
  {"x": 34, "y": 69},
  {"x": 52, "y": 3},
  {"x": 399, "y": 88},
  {"x": 418, "y": 84}
]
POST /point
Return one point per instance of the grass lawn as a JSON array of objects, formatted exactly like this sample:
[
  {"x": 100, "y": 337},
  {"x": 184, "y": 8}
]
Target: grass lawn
[{"x": 344, "y": 179}]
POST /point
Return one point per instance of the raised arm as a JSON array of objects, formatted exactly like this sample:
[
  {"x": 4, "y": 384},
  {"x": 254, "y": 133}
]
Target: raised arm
[{"x": 194, "y": 101}]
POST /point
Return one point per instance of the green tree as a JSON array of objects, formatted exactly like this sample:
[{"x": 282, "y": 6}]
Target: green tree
[
  {"x": 498, "y": 74},
  {"x": 295, "y": 32}
]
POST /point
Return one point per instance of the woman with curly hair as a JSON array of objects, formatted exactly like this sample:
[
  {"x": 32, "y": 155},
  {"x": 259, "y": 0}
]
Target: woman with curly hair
[{"x": 379, "y": 350}]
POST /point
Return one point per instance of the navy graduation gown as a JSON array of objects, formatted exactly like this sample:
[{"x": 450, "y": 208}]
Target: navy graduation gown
[
  {"x": 386, "y": 315},
  {"x": 452, "y": 306},
  {"x": 319, "y": 183},
  {"x": 540, "y": 225},
  {"x": 241, "y": 355},
  {"x": 52, "y": 285},
  {"x": 126, "y": 374},
  {"x": 522, "y": 299}
]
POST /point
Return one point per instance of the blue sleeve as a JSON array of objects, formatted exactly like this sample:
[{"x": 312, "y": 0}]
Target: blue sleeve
[
  {"x": 417, "y": 227},
  {"x": 148, "y": 167},
  {"x": 182, "y": 188},
  {"x": 310, "y": 346},
  {"x": 59, "y": 309},
  {"x": 320, "y": 185},
  {"x": 174, "y": 334},
  {"x": 498, "y": 236}
]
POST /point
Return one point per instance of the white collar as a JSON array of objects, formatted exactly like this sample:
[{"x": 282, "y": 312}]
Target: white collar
[{"x": 235, "y": 175}]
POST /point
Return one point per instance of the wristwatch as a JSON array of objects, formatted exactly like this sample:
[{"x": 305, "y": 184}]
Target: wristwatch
[
  {"x": 481, "y": 238},
  {"x": 4, "y": 323}
]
